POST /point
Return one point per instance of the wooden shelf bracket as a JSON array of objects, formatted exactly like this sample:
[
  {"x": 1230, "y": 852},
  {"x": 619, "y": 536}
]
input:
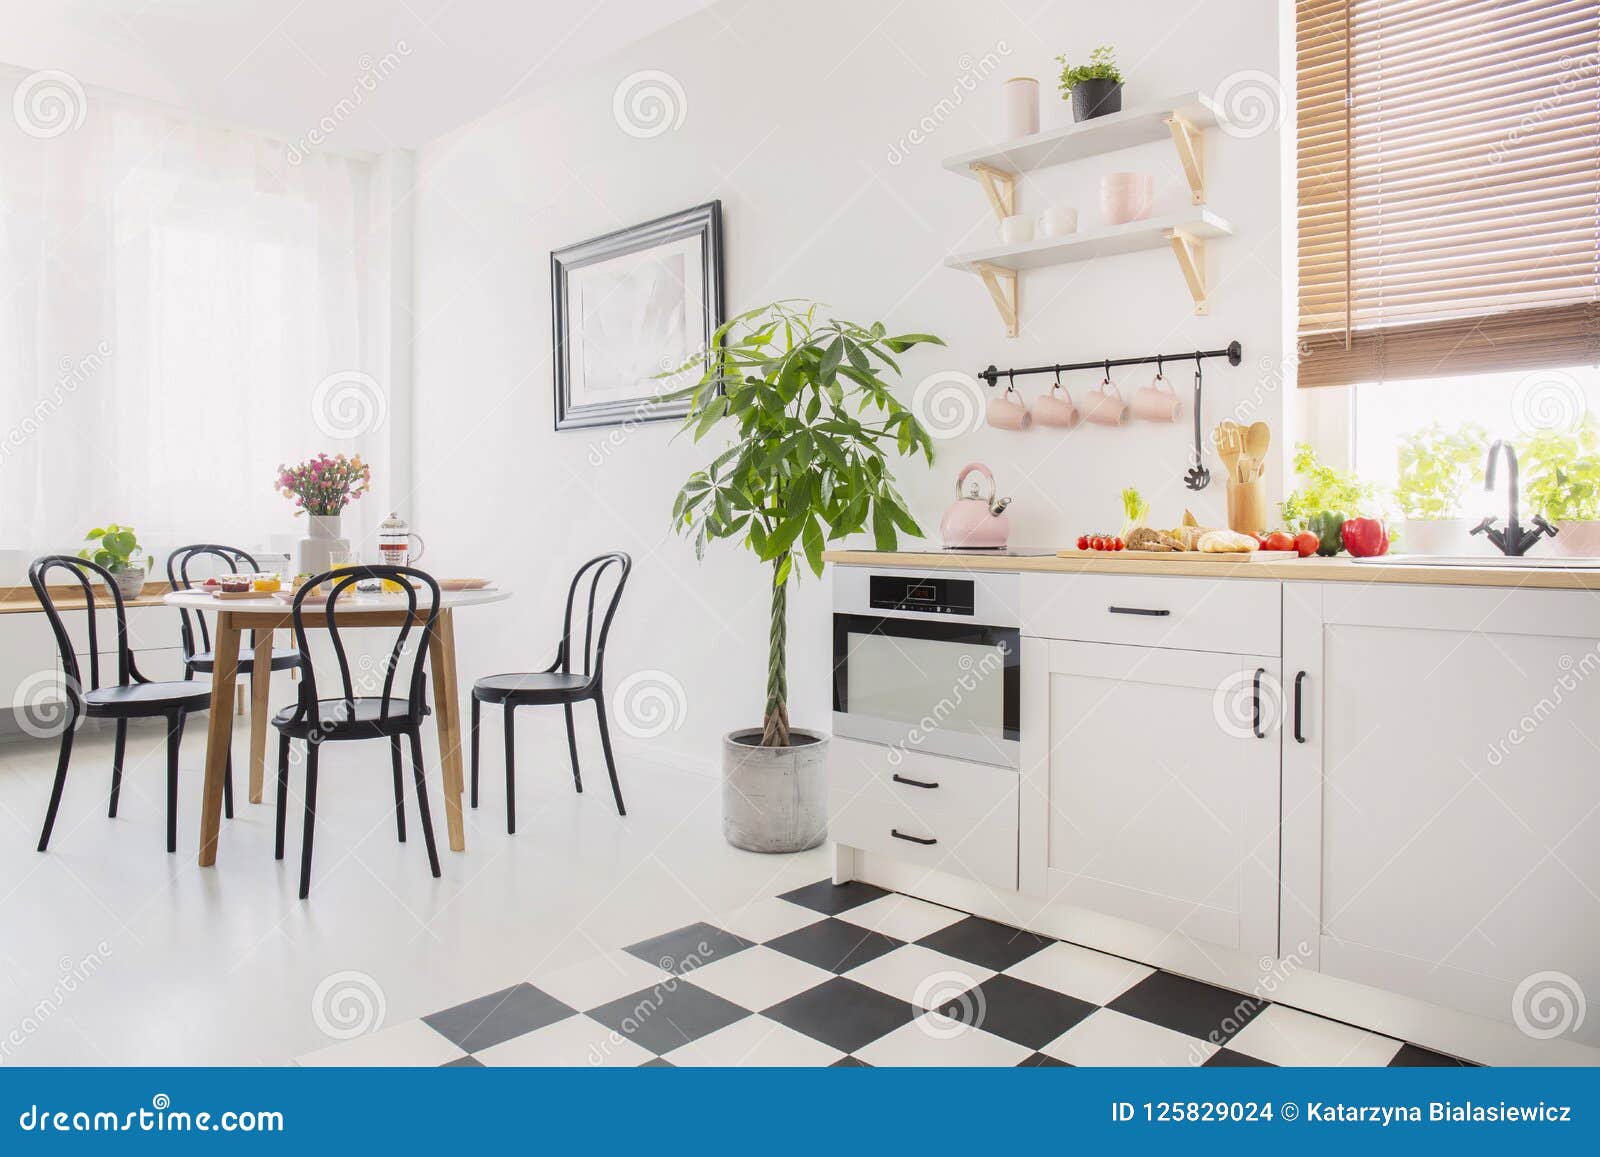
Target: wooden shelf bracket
[
  {"x": 1191, "y": 255},
  {"x": 1190, "y": 143},
  {"x": 1002, "y": 286},
  {"x": 1000, "y": 187}
]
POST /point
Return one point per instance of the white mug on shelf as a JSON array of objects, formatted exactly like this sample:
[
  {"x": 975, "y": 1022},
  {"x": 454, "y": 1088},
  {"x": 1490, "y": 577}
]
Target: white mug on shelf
[
  {"x": 1016, "y": 229},
  {"x": 1058, "y": 221}
]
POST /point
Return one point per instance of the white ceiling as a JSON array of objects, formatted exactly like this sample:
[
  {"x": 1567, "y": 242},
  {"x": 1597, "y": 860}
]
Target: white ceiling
[{"x": 284, "y": 65}]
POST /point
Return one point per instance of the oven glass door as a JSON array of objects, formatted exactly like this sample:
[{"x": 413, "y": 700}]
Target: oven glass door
[{"x": 936, "y": 686}]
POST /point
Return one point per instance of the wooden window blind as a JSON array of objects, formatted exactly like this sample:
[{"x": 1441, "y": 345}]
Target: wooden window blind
[{"x": 1448, "y": 185}]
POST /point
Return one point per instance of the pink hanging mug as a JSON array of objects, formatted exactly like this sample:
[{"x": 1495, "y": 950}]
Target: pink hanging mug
[
  {"x": 1008, "y": 411},
  {"x": 1104, "y": 405},
  {"x": 1056, "y": 409},
  {"x": 1154, "y": 403}
]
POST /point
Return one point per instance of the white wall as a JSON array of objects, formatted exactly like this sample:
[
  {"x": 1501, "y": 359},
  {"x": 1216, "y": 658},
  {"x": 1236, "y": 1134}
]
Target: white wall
[{"x": 791, "y": 115}]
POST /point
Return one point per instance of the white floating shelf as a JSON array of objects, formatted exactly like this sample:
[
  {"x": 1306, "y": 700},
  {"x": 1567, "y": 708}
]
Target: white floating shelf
[
  {"x": 1106, "y": 134},
  {"x": 1151, "y": 233},
  {"x": 1184, "y": 233}
]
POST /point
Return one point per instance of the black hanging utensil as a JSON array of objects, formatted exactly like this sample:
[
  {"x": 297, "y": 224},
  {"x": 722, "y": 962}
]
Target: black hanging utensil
[{"x": 1198, "y": 477}]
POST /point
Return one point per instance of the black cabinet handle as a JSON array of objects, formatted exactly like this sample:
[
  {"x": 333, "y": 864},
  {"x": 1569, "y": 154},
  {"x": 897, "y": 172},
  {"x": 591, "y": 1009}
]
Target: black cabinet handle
[
  {"x": 1154, "y": 614},
  {"x": 1299, "y": 735},
  {"x": 900, "y": 835},
  {"x": 912, "y": 782},
  {"x": 1255, "y": 704}
]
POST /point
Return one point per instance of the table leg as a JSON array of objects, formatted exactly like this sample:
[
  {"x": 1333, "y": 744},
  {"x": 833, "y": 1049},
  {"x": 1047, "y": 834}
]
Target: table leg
[
  {"x": 447, "y": 706},
  {"x": 260, "y": 689},
  {"x": 219, "y": 733}
]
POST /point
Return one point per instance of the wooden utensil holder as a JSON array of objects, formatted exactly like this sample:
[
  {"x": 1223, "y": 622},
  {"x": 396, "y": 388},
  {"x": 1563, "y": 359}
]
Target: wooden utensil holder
[{"x": 1247, "y": 506}]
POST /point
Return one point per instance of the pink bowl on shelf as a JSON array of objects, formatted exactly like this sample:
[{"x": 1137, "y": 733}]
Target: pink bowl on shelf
[{"x": 1126, "y": 197}]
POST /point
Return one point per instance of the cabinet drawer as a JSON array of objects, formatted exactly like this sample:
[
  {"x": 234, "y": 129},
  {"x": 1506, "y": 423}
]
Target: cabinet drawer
[
  {"x": 1232, "y": 616},
  {"x": 968, "y": 812}
]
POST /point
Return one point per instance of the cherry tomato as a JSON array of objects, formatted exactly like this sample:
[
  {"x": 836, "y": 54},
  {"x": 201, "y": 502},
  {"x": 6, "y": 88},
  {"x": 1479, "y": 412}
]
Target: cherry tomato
[
  {"x": 1306, "y": 543},
  {"x": 1099, "y": 542},
  {"x": 1117, "y": 544},
  {"x": 1083, "y": 542},
  {"x": 1278, "y": 540}
]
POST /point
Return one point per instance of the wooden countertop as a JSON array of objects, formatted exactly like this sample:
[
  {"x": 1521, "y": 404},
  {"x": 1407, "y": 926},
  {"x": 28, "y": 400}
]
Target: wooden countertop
[
  {"x": 21, "y": 600},
  {"x": 1313, "y": 569}
]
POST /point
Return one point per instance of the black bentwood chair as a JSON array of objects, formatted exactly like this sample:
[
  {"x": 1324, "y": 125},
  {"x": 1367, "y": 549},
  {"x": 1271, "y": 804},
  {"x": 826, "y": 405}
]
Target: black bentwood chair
[
  {"x": 197, "y": 652},
  {"x": 559, "y": 683},
  {"x": 351, "y": 716},
  {"x": 132, "y": 697}
]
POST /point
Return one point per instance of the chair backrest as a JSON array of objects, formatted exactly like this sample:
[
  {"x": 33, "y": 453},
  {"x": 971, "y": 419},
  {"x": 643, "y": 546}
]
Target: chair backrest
[
  {"x": 82, "y": 572},
  {"x": 594, "y": 641},
  {"x": 178, "y": 565},
  {"x": 328, "y": 609}
]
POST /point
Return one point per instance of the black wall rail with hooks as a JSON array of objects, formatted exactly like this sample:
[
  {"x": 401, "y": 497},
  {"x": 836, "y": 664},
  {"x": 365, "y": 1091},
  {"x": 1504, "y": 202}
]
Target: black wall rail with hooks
[
  {"x": 1197, "y": 477},
  {"x": 1233, "y": 351}
]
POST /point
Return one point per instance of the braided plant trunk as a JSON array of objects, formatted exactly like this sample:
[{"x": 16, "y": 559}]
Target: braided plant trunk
[{"x": 775, "y": 720}]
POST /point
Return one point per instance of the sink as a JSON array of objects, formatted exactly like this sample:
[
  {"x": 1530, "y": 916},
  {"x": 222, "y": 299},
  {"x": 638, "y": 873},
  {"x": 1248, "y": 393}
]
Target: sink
[{"x": 1537, "y": 562}]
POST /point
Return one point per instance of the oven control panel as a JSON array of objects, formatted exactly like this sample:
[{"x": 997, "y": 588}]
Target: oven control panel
[{"x": 923, "y": 594}]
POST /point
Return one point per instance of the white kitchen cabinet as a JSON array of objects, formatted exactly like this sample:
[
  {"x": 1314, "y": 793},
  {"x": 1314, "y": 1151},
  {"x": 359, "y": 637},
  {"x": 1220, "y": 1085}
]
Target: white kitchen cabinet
[
  {"x": 1441, "y": 811},
  {"x": 1151, "y": 787}
]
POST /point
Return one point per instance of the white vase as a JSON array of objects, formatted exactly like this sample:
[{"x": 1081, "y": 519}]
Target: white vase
[
  {"x": 323, "y": 541},
  {"x": 1440, "y": 536},
  {"x": 1021, "y": 107}
]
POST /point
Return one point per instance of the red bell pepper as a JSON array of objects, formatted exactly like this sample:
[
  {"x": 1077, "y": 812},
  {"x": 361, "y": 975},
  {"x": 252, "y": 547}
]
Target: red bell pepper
[{"x": 1365, "y": 537}]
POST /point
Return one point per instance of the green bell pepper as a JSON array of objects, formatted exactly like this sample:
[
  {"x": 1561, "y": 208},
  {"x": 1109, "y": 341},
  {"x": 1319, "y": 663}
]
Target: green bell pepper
[{"x": 1327, "y": 526}]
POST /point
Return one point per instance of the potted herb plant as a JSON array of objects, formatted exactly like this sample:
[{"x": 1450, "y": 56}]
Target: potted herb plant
[
  {"x": 813, "y": 424},
  {"x": 1436, "y": 467},
  {"x": 1096, "y": 87},
  {"x": 1327, "y": 497},
  {"x": 1561, "y": 480},
  {"x": 117, "y": 549}
]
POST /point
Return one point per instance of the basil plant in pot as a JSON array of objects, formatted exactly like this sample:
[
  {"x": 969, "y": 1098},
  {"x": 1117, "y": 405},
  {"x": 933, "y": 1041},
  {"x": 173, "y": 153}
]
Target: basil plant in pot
[
  {"x": 813, "y": 423},
  {"x": 1436, "y": 468},
  {"x": 1561, "y": 480}
]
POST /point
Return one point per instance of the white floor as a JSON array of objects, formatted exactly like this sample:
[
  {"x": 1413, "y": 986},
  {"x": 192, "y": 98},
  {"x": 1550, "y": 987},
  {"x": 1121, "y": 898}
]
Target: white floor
[{"x": 114, "y": 952}]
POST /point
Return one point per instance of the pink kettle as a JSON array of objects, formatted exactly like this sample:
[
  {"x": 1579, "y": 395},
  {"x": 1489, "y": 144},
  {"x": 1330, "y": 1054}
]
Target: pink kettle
[{"x": 975, "y": 520}]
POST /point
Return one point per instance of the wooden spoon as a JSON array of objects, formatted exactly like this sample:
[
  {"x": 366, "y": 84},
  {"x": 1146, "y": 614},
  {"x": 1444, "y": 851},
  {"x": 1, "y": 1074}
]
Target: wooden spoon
[
  {"x": 1257, "y": 439},
  {"x": 1229, "y": 443}
]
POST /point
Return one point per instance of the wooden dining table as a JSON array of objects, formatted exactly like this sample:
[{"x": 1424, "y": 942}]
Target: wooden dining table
[{"x": 231, "y": 618}]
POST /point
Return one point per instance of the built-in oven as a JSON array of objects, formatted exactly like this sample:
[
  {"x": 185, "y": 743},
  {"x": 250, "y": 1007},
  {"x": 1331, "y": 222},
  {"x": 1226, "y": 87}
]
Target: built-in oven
[{"x": 929, "y": 661}]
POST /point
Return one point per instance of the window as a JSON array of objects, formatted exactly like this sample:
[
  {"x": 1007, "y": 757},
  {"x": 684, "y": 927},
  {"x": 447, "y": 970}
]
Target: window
[
  {"x": 1448, "y": 184},
  {"x": 173, "y": 295}
]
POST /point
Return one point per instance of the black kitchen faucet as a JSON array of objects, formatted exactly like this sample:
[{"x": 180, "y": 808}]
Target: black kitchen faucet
[{"x": 1513, "y": 540}]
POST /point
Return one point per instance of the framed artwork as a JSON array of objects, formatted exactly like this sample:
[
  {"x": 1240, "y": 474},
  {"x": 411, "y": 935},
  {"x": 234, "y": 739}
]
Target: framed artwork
[{"x": 628, "y": 306}]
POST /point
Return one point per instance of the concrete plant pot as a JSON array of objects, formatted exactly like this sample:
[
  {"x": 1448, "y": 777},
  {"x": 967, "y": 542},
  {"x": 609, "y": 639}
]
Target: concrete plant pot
[
  {"x": 1440, "y": 536},
  {"x": 774, "y": 799}
]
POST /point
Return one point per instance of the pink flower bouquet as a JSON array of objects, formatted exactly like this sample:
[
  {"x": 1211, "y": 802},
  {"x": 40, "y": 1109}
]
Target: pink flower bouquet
[{"x": 325, "y": 484}]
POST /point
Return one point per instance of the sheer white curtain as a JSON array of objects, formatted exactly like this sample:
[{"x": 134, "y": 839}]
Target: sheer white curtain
[{"x": 172, "y": 295}]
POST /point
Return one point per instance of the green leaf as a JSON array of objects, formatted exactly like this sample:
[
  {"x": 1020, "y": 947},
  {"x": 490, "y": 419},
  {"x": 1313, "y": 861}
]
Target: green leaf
[
  {"x": 883, "y": 527},
  {"x": 812, "y": 542}
]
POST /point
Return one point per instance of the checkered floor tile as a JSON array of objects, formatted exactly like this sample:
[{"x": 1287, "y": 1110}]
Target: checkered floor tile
[{"x": 855, "y": 975}]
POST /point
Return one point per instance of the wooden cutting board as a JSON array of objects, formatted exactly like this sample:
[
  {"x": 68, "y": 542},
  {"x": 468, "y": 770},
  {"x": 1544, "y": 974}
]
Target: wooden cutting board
[{"x": 1182, "y": 555}]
